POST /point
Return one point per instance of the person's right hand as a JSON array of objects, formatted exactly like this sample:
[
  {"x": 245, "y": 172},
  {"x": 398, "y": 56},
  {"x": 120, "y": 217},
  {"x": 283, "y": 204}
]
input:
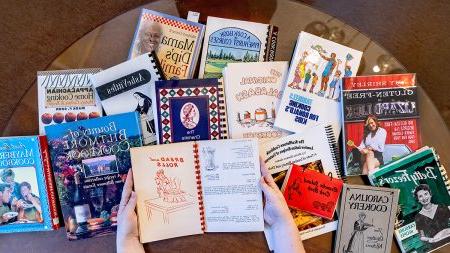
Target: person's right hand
[{"x": 276, "y": 211}]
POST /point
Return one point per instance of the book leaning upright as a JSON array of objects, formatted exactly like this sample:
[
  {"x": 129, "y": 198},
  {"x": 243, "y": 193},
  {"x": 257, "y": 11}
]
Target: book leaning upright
[{"x": 189, "y": 188}]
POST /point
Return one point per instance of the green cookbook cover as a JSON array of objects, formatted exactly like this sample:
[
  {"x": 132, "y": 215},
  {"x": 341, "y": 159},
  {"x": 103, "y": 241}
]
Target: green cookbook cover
[{"x": 423, "y": 219}]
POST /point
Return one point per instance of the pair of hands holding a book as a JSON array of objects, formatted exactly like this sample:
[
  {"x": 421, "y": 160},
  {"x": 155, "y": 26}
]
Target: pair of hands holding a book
[{"x": 276, "y": 215}]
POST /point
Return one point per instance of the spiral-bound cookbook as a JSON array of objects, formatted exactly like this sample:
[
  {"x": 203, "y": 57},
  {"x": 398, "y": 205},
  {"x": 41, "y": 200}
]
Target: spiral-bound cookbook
[
  {"x": 192, "y": 187},
  {"x": 424, "y": 203},
  {"x": 228, "y": 40},
  {"x": 130, "y": 86}
]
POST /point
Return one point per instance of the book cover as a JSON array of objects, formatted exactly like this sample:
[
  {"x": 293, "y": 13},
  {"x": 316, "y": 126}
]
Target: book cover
[
  {"x": 66, "y": 96},
  {"x": 253, "y": 91},
  {"x": 381, "y": 120},
  {"x": 312, "y": 88},
  {"x": 27, "y": 196},
  {"x": 308, "y": 225},
  {"x": 176, "y": 42},
  {"x": 189, "y": 188},
  {"x": 316, "y": 143},
  {"x": 311, "y": 191},
  {"x": 366, "y": 219},
  {"x": 228, "y": 40},
  {"x": 130, "y": 86},
  {"x": 423, "y": 219},
  {"x": 188, "y": 110},
  {"x": 90, "y": 161}
]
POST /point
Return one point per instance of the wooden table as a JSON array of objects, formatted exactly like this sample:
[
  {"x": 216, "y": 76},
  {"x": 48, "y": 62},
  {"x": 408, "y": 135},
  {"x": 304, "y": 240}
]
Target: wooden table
[{"x": 108, "y": 45}]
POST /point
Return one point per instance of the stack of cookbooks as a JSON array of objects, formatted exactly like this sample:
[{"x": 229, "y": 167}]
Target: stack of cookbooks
[{"x": 196, "y": 145}]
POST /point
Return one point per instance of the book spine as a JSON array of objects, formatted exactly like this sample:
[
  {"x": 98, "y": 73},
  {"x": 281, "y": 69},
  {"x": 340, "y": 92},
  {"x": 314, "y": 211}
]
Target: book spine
[
  {"x": 223, "y": 111},
  {"x": 271, "y": 43},
  {"x": 199, "y": 187},
  {"x": 334, "y": 151},
  {"x": 157, "y": 66},
  {"x": 49, "y": 182}
]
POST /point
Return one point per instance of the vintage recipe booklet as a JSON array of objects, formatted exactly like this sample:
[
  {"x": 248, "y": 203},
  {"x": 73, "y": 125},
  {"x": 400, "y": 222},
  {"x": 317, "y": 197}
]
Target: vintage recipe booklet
[{"x": 193, "y": 187}]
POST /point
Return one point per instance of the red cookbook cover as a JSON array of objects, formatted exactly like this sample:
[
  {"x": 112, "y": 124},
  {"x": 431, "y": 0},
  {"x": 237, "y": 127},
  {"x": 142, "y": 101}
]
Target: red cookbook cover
[
  {"x": 312, "y": 191},
  {"x": 381, "y": 121}
]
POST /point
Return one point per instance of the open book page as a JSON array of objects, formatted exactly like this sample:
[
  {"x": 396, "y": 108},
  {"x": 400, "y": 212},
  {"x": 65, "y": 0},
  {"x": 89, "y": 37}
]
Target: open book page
[
  {"x": 166, "y": 187},
  {"x": 230, "y": 176},
  {"x": 315, "y": 143}
]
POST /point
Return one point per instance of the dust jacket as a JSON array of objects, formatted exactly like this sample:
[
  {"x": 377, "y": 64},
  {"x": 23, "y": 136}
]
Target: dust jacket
[
  {"x": 66, "y": 96},
  {"x": 176, "y": 42},
  {"x": 381, "y": 116},
  {"x": 424, "y": 204},
  {"x": 90, "y": 161},
  {"x": 28, "y": 195},
  {"x": 228, "y": 40},
  {"x": 366, "y": 219}
]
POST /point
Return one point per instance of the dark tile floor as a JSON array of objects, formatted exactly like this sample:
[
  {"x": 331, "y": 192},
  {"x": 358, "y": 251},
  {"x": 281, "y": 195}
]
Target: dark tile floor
[{"x": 416, "y": 32}]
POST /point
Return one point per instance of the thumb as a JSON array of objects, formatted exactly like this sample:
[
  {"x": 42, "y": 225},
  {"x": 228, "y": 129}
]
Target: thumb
[
  {"x": 131, "y": 205},
  {"x": 267, "y": 190}
]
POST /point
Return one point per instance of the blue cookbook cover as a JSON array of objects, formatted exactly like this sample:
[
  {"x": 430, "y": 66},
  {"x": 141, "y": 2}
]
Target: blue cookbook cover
[
  {"x": 27, "y": 200},
  {"x": 188, "y": 110},
  {"x": 90, "y": 161}
]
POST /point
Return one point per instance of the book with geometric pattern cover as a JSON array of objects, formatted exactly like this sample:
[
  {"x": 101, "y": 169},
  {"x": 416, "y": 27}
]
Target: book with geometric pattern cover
[
  {"x": 176, "y": 42},
  {"x": 424, "y": 202},
  {"x": 188, "y": 110}
]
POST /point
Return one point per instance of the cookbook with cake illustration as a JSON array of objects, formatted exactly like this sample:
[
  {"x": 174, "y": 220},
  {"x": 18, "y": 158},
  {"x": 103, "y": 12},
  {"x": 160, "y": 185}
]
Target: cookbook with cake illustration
[
  {"x": 191, "y": 188},
  {"x": 90, "y": 160}
]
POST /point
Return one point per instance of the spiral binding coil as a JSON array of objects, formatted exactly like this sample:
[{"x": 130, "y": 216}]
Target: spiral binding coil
[
  {"x": 69, "y": 72},
  {"x": 271, "y": 43},
  {"x": 199, "y": 187},
  {"x": 222, "y": 111},
  {"x": 334, "y": 151},
  {"x": 157, "y": 66}
]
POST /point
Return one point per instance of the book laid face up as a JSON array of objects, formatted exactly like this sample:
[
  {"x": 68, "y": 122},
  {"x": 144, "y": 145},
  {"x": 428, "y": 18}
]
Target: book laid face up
[
  {"x": 176, "y": 42},
  {"x": 424, "y": 203},
  {"x": 381, "y": 120},
  {"x": 90, "y": 161},
  {"x": 130, "y": 86},
  {"x": 312, "y": 90},
  {"x": 253, "y": 91},
  {"x": 366, "y": 219},
  {"x": 228, "y": 40},
  {"x": 188, "y": 110},
  {"x": 27, "y": 190},
  {"x": 66, "y": 96},
  {"x": 192, "y": 187}
]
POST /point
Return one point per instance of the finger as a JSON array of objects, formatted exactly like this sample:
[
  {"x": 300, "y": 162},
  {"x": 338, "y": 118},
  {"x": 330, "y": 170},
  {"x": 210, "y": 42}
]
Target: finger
[
  {"x": 131, "y": 205},
  {"x": 126, "y": 191},
  {"x": 267, "y": 190},
  {"x": 263, "y": 168}
]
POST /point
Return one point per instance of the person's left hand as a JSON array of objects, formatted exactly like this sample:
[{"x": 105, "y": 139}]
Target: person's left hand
[{"x": 127, "y": 230}]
